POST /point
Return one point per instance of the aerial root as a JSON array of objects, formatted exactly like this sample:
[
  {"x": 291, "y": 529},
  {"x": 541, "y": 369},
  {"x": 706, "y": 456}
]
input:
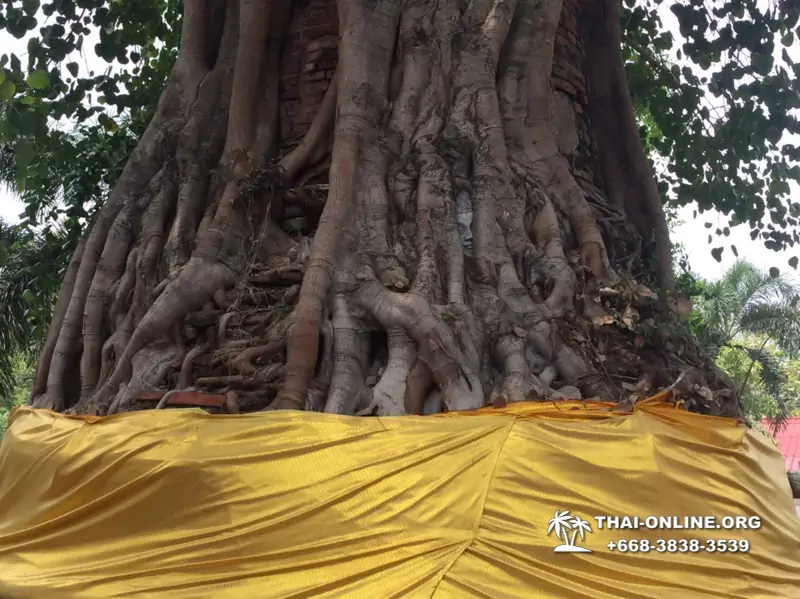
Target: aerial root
[
  {"x": 366, "y": 64},
  {"x": 232, "y": 402},
  {"x": 162, "y": 403},
  {"x": 351, "y": 348},
  {"x": 321, "y": 126},
  {"x": 121, "y": 401},
  {"x": 389, "y": 392},
  {"x": 57, "y": 320},
  {"x": 417, "y": 385},
  {"x": 223, "y": 326},
  {"x": 628, "y": 176},
  {"x": 243, "y": 363},
  {"x": 318, "y": 390},
  {"x": 437, "y": 347},
  {"x": 518, "y": 383},
  {"x": 186, "y": 366}
]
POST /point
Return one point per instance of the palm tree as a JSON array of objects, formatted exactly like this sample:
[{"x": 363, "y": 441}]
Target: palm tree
[
  {"x": 561, "y": 523},
  {"x": 747, "y": 303},
  {"x": 30, "y": 265},
  {"x": 579, "y": 526}
]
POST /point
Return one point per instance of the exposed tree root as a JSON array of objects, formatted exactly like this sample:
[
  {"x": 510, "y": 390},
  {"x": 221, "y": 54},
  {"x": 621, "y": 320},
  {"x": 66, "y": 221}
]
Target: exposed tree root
[{"x": 456, "y": 261}]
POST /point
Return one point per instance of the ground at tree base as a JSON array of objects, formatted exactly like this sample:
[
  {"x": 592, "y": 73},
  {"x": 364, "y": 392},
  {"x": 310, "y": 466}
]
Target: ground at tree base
[{"x": 426, "y": 245}]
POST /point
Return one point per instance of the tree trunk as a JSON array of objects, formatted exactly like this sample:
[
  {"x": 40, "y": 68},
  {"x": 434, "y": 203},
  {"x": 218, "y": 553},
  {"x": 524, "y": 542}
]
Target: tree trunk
[{"x": 381, "y": 207}]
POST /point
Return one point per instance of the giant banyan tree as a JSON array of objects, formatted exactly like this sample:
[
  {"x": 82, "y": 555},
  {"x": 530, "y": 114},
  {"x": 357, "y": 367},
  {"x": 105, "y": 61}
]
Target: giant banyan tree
[{"x": 381, "y": 207}]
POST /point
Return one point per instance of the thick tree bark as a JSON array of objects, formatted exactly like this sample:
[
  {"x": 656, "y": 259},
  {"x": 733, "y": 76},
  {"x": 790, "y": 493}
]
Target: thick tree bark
[{"x": 462, "y": 255}]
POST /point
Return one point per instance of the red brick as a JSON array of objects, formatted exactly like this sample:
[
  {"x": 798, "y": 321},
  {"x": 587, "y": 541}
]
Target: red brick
[{"x": 184, "y": 398}]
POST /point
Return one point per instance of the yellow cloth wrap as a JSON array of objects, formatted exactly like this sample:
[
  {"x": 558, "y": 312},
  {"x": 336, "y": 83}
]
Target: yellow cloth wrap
[{"x": 175, "y": 504}]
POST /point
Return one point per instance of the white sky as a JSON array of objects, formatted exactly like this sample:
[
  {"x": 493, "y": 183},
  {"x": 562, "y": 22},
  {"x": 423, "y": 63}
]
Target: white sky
[{"x": 692, "y": 233}]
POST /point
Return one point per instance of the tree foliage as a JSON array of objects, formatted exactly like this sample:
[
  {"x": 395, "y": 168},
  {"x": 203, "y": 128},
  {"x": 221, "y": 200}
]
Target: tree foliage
[
  {"x": 70, "y": 132},
  {"x": 18, "y": 394},
  {"x": 768, "y": 384},
  {"x": 65, "y": 136},
  {"x": 749, "y": 321},
  {"x": 31, "y": 266},
  {"x": 727, "y": 153},
  {"x": 748, "y": 301}
]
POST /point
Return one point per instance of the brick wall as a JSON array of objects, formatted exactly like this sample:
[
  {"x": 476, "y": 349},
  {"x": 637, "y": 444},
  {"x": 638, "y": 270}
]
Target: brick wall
[
  {"x": 569, "y": 84},
  {"x": 307, "y": 64}
]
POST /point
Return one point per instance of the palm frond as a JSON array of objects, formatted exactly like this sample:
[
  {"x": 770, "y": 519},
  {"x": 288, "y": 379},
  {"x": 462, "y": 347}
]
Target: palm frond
[
  {"x": 746, "y": 300},
  {"x": 739, "y": 274},
  {"x": 23, "y": 311},
  {"x": 716, "y": 305},
  {"x": 746, "y": 303},
  {"x": 8, "y": 167},
  {"x": 779, "y": 321},
  {"x": 774, "y": 378}
]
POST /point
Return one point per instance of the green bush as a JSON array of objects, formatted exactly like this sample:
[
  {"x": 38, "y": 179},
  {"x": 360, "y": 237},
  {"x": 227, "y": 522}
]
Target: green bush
[
  {"x": 794, "y": 483},
  {"x": 23, "y": 378}
]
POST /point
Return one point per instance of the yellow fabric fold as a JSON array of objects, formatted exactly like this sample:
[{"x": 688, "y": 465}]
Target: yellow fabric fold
[{"x": 175, "y": 504}]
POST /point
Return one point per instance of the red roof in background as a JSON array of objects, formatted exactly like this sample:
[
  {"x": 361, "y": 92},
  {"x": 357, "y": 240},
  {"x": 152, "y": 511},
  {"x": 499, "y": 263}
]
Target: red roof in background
[{"x": 789, "y": 442}]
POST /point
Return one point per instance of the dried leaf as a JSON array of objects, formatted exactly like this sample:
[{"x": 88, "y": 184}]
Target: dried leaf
[
  {"x": 569, "y": 392},
  {"x": 599, "y": 321},
  {"x": 706, "y": 393},
  {"x": 628, "y": 386},
  {"x": 682, "y": 306},
  {"x": 607, "y": 291},
  {"x": 520, "y": 332},
  {"x": 601, "y": 358},
  {"x": 629, "y": 315},
  {"x": 638, "y": 341},
  {"x": 644, "y": 291}
]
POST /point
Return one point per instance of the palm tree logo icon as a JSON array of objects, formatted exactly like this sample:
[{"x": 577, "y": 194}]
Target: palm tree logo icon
[{"x": 562, "y": 524}]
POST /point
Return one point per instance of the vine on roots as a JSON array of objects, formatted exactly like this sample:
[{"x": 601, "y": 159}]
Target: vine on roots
[{"x": 452, "y": 260}]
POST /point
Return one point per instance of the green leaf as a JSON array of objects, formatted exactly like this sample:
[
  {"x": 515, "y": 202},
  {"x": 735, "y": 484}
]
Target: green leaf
[
  {"x": 735, "y": 251},
  {"x": 793, "y": 262},
  {"x": 107, "y": 122},
  {"x": 38, "y": 79},
  {"x": 24, "y": 153},
  {"x": 29, "y": 296},
  {"x": 7, "y": 90},
  {"x": 717, "y": 253},
  {"x": 72, "y": 67},
  {"x": 30, "y": 7},
  {"x": 774, "y": 272},
  {"x": 762, "y": 63}
]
